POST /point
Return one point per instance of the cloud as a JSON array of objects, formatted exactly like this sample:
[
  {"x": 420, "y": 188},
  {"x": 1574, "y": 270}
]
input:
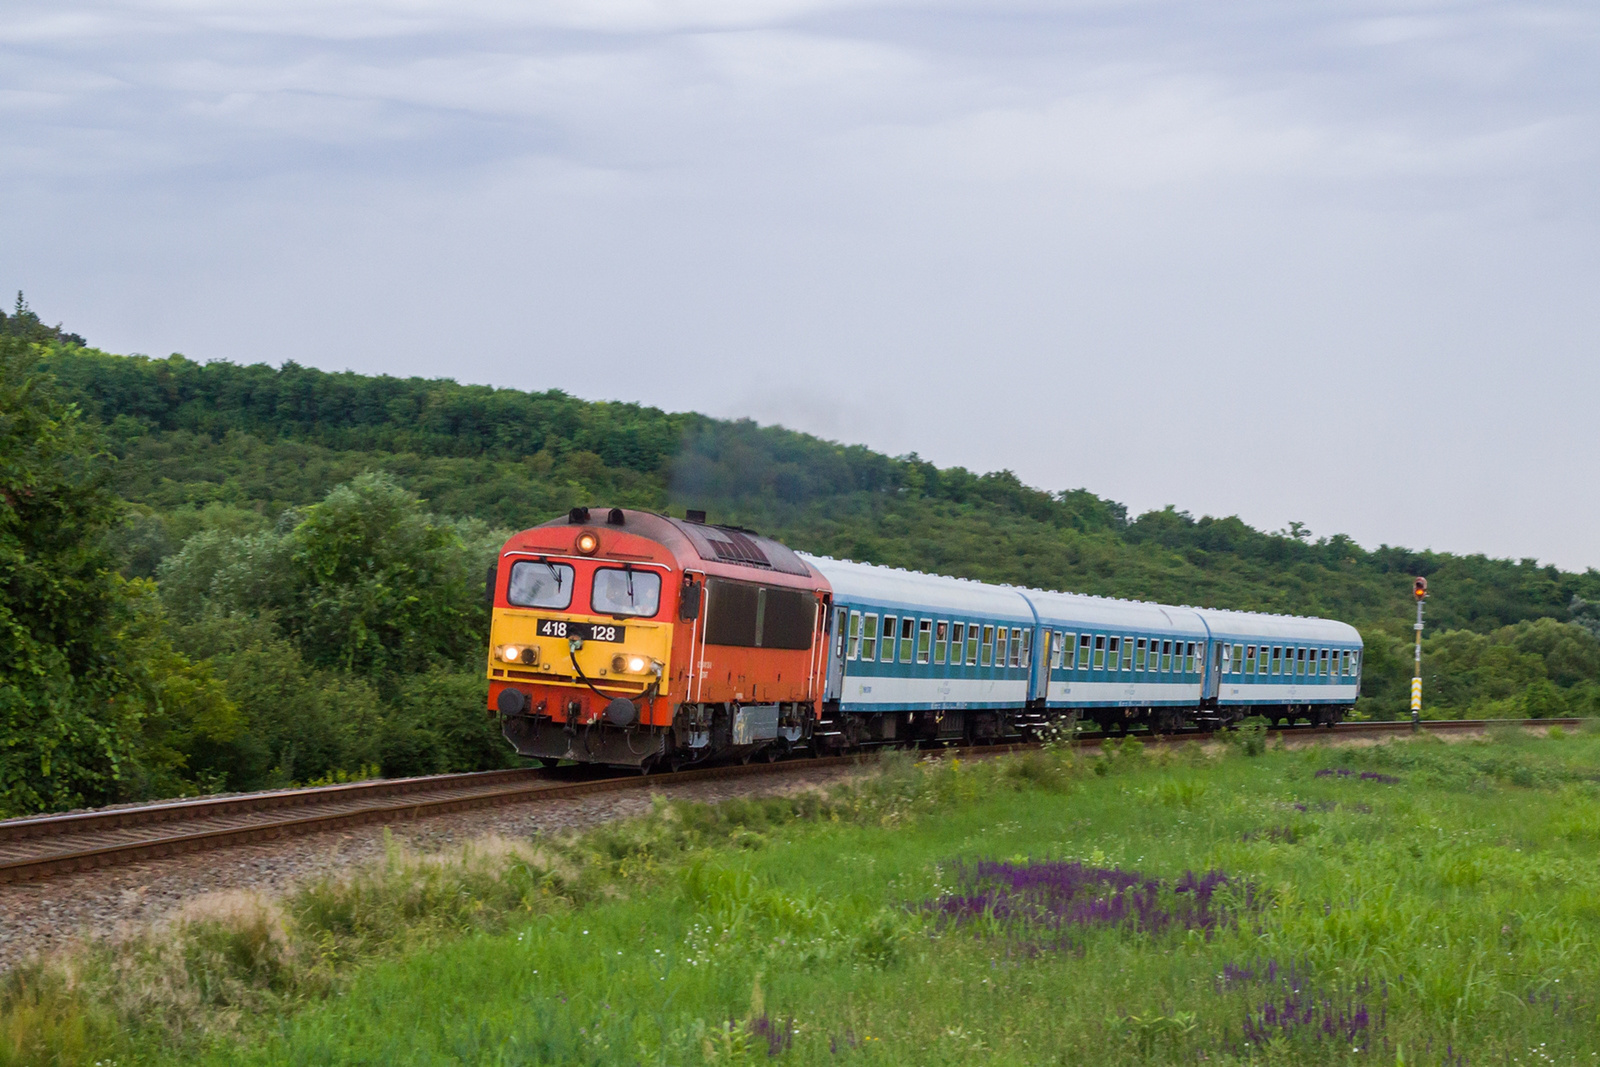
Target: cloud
[{"x": 1102, "y": 243}]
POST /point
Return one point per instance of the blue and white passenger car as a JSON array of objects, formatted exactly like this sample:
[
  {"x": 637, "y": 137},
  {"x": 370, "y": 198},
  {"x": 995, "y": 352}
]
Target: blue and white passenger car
[
  {"x": 1117, "y": 661},
  {"x": 923, "y": 655},
  {"x": 1281, "y": 666},
  {"x": 919, "y": 656}
]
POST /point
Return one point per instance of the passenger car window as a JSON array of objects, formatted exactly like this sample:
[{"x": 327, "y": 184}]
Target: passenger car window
[
  {"x": 924, "y": 639},
  {"x": 986, "y": 650},
  {"x": 907, "y": 628},
  {"x": 855, "y": 634},
  {"x": 1138, "y": 655},
  {"x": 1083, "y": 652},
  {"x": 1166, "y": 655},
  {"x": 1000, "y": 647},
  {"x": 941, "y": 638},
  {"x": 887, "y": 651},
  {"x": 539, "y": 585},
  {"x": 1069, "y": 651},
  {"x": 1016, "y": 648},
  {"x": 869, "y": 635},
  {"x": 972, "y": 644},
  {"x": 1188, "y": 659}
]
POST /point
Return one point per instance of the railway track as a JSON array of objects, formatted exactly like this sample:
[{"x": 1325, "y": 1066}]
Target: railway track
[{"x": 48, "y": 845}]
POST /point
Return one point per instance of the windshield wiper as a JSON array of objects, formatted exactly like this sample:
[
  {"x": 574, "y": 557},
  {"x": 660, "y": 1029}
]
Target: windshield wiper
[{"x": 553, "y": 572}]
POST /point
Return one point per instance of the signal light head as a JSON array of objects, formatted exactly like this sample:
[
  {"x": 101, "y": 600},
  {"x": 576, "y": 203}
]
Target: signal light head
[
  {"x": 1419, "y": 588},
  {"x": 588, "y": 543}
]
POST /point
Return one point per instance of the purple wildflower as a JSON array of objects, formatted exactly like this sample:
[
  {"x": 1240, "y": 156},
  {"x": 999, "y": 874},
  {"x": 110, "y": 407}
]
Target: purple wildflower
[
  {"x": 778, "y": 1037},
  {"x": 1058, "y": 896}
]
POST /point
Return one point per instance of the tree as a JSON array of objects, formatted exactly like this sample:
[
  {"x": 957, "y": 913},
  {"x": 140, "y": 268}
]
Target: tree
[{"x": 82, "y": 660}]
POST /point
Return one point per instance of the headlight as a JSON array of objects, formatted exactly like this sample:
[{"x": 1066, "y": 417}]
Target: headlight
[
  {"x": 637, "y": 664},
  {"x": 588, "y": 544},
  {"x": 510, "y": 653}
]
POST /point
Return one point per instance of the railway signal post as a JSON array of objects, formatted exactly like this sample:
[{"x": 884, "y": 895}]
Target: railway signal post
[{"x": 1419, "y": 590}]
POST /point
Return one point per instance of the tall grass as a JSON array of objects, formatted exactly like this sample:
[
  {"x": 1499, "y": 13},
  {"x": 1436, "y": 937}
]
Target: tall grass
[{"x": 1415, "y": 901}]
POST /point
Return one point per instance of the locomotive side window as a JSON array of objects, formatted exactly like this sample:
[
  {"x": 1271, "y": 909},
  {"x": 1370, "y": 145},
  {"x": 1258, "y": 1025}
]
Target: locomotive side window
[
  {"x": 908, "y": 627},
  {"x": 1083, "y": 652},
  {"x": 540, "y": 585},
  {"x": 886, "y": 649},
  {"x": 986, "y": 649},
  {"x": 855, "y": 634},
  {"x": 869, "y": 635},
  {"x": 941, "y": 638},
  {"x": 972, "y": 644},
  {"x": 924, "y": 639}
]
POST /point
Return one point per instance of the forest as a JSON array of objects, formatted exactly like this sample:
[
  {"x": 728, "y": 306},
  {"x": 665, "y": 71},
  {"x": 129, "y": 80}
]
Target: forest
[{"x": 222, "y": 577}]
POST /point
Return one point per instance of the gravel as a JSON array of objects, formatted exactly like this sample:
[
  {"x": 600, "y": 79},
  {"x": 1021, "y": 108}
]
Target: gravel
[{"x": 36, "y": 917}]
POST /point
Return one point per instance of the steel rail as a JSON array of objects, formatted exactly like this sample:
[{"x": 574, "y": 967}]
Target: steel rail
[{"x": 87, "y": 840}]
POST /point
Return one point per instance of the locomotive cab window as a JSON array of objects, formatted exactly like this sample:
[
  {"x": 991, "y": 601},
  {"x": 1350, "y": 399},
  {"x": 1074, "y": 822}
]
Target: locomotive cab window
[
  {"x": 625, "y": 591},
  {"x": 540, "y": 585}
]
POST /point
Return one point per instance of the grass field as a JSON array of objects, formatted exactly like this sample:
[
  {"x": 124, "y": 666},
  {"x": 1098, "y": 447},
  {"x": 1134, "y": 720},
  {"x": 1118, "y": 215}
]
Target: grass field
[{"x": 1416, "y": 902}]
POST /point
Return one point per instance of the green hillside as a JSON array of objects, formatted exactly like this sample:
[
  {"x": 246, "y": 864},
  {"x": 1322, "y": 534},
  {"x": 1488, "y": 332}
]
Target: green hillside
[{"x": 291, "y": 560}]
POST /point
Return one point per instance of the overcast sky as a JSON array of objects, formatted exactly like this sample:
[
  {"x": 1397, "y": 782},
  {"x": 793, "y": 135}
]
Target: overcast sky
[{"x": 1329, "y": 262}]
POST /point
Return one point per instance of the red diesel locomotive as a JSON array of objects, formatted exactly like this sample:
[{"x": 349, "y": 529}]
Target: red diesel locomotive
[{"x": 632, "y": 638}]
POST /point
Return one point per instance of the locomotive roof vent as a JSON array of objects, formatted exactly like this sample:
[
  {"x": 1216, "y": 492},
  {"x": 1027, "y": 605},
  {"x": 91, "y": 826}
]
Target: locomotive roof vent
[
  {"x": 695, "y": 515},
  {"x": 614, "y": 517}
]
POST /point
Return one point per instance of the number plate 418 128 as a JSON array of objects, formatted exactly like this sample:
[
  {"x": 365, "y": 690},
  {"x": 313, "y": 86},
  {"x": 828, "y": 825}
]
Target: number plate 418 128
[{"x": 589, "y": 631}]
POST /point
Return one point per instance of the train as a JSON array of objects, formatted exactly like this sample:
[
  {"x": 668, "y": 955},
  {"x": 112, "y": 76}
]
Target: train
[{"x": 635, "y": 639}]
